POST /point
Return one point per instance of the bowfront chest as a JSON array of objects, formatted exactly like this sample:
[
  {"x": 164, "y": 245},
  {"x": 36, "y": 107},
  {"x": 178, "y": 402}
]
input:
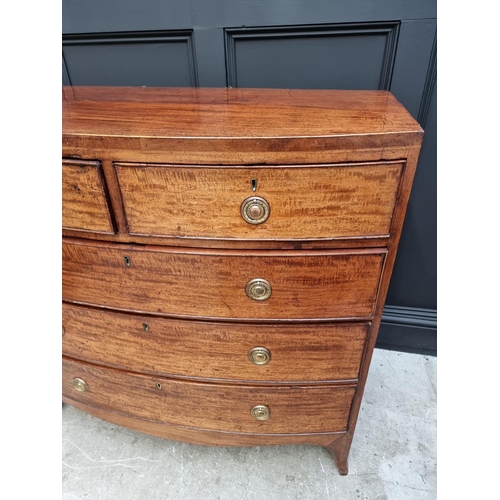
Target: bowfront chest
[{"x": 226, "y": 257}]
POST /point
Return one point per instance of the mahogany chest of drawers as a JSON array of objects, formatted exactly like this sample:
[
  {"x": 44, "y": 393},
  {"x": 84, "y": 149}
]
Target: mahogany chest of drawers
[{"x": 226, "y": 257}]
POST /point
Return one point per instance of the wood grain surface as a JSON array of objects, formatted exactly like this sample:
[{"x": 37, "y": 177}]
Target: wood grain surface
[
  {"x": 231, "y": 113},
  {"x": 217, "y": 351},
  {"x": 305, "y": 202},
  {"x": 242, "y": 244},
  {"x": 210, "y": 406},
  {"x": 208, "y": 283},
  {"x": 205, "y": 437},
  {"x": 231, "y": 126},
  {"x": 84, "y": 203}
]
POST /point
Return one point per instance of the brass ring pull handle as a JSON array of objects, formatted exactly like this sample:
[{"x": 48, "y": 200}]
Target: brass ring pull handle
[
  {"x": 255, "y": 210},
  {"x": 80, "y": 385},
  {"x": 259, "y": 355},
  {"x": 260, "y": 412},
  {"x": 258, "y": 289}
]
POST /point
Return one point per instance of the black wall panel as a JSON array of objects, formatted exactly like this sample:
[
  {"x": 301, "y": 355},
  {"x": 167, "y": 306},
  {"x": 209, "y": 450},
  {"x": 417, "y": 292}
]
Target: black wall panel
[
  {"x": 162, "y": 59},
  {"x": 416, "y": 262},
  {"x": 341, "y": 56}
]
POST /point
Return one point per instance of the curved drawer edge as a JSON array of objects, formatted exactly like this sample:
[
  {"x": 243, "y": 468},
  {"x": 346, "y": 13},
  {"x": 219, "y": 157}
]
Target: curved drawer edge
[
  {"x": 215, "y": 351},
  {"x": 220, "y": 319},
  {"x": 255, "y": 382},
  {"x": 218, "y": 407},
  {"x": 203, "y": 436}
]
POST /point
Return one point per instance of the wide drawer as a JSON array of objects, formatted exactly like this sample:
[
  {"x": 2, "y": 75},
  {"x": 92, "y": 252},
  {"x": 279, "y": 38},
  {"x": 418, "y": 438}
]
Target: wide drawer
[
  {"x": 84, "y": 201},
  {"x": 292, "y": 409},
  {"x": 267, "y": 353},
  {"x": 215, "y": 284},
  {"x": 304, "y": 202}
]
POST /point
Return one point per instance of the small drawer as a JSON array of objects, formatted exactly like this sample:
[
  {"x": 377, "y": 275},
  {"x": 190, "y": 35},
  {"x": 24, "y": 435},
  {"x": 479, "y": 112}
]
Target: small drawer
[
  {"x": 232, "y": 408},
  {"x": 265, "y": 353},
  {"x": 253, "y": 285},
  {"x": 260, "y": 203},
  {"x": 84, "y": 201}
]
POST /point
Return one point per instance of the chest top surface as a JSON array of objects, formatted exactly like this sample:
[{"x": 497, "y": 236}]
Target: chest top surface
[{"x": 220, "y": 113}]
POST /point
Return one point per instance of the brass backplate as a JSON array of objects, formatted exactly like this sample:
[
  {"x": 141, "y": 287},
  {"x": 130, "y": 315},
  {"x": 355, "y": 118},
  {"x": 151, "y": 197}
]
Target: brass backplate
[
  {"x": 255, "y": 210},
  {"x": 260, "y": 412},
  {"x": 259, "y": 355},
  {"x": 258, "y": 289},
  {"x": 79, "y": 384}
]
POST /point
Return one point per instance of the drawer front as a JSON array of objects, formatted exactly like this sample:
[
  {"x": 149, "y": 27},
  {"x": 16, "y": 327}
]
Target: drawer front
[
  {"x": 335, "y": 201},
  {"x": 209, "y": 406},
  {"x": 240, "y": 352},
  {"x": 84, "y": 202},
  {"x": 191, "y": 283}
]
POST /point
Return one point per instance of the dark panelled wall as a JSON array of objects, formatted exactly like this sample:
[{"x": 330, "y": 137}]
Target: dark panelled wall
[{"x": 326, "y": 44}]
